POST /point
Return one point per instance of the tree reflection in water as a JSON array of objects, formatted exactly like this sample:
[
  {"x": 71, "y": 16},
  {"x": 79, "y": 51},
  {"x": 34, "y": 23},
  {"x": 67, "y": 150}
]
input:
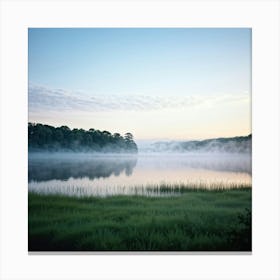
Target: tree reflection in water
[{"x": 44, "y": 169}]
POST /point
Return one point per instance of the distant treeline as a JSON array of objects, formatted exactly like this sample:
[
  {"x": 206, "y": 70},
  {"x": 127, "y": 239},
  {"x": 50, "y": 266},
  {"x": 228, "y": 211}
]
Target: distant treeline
[
  {"x": 240, "y": 144},
  {"x": 49, "y": 138}
]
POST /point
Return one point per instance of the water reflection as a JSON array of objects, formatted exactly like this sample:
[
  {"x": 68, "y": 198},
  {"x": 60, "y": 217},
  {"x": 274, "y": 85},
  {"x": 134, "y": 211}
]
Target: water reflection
[
  {"x": 207, "y": 161},
  {"x": 62, "y": 168},
  {"x": 109, "y": 175}
]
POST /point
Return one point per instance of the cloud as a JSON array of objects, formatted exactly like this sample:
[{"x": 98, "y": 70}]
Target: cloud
[{"x": 42, "y": 98}]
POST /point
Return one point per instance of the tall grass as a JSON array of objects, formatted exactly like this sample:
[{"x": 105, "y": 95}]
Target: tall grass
[
  {"x": 194, "y": 220},
  {"x": 162, "y": 189}
]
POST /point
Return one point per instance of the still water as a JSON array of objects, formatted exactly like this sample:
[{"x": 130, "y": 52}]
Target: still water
[{"x": 104, "y": 175}]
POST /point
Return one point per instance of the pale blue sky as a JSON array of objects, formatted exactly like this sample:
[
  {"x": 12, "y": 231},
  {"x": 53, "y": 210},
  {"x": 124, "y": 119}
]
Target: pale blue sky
[{"x": 101, "y": 77}]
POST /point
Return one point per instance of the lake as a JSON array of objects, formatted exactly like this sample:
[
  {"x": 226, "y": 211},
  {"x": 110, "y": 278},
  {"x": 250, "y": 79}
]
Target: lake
[{"x": 142, "y": 174}]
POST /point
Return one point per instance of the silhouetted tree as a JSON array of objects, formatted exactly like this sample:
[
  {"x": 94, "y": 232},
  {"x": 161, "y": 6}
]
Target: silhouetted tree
[{"x": 46, "y": 137}]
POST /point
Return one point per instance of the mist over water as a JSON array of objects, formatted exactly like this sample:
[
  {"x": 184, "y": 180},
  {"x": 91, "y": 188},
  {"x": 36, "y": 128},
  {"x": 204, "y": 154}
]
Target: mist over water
[
  {"x": 44, "y": 167},
  {"x": 111, "y": 174}
]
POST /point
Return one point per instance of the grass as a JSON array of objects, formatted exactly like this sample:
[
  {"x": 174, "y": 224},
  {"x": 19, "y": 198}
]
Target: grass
[{"x": 193, "y": 220}]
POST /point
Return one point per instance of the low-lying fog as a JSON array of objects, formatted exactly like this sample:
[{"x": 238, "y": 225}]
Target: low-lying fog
[{"x": 109, "y": 174}]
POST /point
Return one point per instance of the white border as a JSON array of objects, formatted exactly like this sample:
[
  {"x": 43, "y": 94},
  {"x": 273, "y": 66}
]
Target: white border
[{"x": 262, "y": 16}]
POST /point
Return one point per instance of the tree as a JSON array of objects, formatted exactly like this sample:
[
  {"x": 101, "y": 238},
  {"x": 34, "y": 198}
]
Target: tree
[
  {"x": 49, "y": 138},
  {"x": 128, "y": 137}
]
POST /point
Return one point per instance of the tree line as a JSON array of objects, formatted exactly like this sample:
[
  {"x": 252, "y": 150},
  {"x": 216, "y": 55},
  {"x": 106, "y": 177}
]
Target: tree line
[
  {"x": 49, "y": 138},
  {"x": 238, "y": 144}
]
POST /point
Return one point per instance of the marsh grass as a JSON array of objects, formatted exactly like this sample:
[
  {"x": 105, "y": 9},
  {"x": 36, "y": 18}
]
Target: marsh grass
[
  {"x": 162, "y": 189},
  {"x": 194, "y": 220},
  {"x": 192, "y": 187}
]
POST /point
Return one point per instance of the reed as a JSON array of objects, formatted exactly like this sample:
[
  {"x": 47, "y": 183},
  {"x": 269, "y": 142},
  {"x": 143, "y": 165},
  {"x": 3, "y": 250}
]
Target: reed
[{"x": 194, "y": 220}]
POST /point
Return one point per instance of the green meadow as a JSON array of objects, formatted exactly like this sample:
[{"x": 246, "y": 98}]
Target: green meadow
[{"x": 193, "y": 220}]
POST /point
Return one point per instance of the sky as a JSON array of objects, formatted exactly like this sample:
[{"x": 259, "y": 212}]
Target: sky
[{"x": 157, "y": 83}]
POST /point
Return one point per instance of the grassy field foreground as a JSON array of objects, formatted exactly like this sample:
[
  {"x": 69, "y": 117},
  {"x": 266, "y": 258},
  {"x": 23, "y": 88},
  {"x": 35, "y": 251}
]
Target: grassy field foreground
[{"x": 197, "y": 220}]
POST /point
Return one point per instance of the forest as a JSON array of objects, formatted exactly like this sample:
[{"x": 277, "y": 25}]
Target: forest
[
  {"x": 42, "y": 137},
  {"x": 239, "y": 144}
]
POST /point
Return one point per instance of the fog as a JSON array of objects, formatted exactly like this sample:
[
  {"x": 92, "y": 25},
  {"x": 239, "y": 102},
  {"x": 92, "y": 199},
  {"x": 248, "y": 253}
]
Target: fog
[
  {"x": 235, "y": 145},
  {"x": 197, "y": 160},
  {"x": 62, "y": 166},
  {"x": 77, "y": 174},
  {"x": 223, "y": 162}
]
